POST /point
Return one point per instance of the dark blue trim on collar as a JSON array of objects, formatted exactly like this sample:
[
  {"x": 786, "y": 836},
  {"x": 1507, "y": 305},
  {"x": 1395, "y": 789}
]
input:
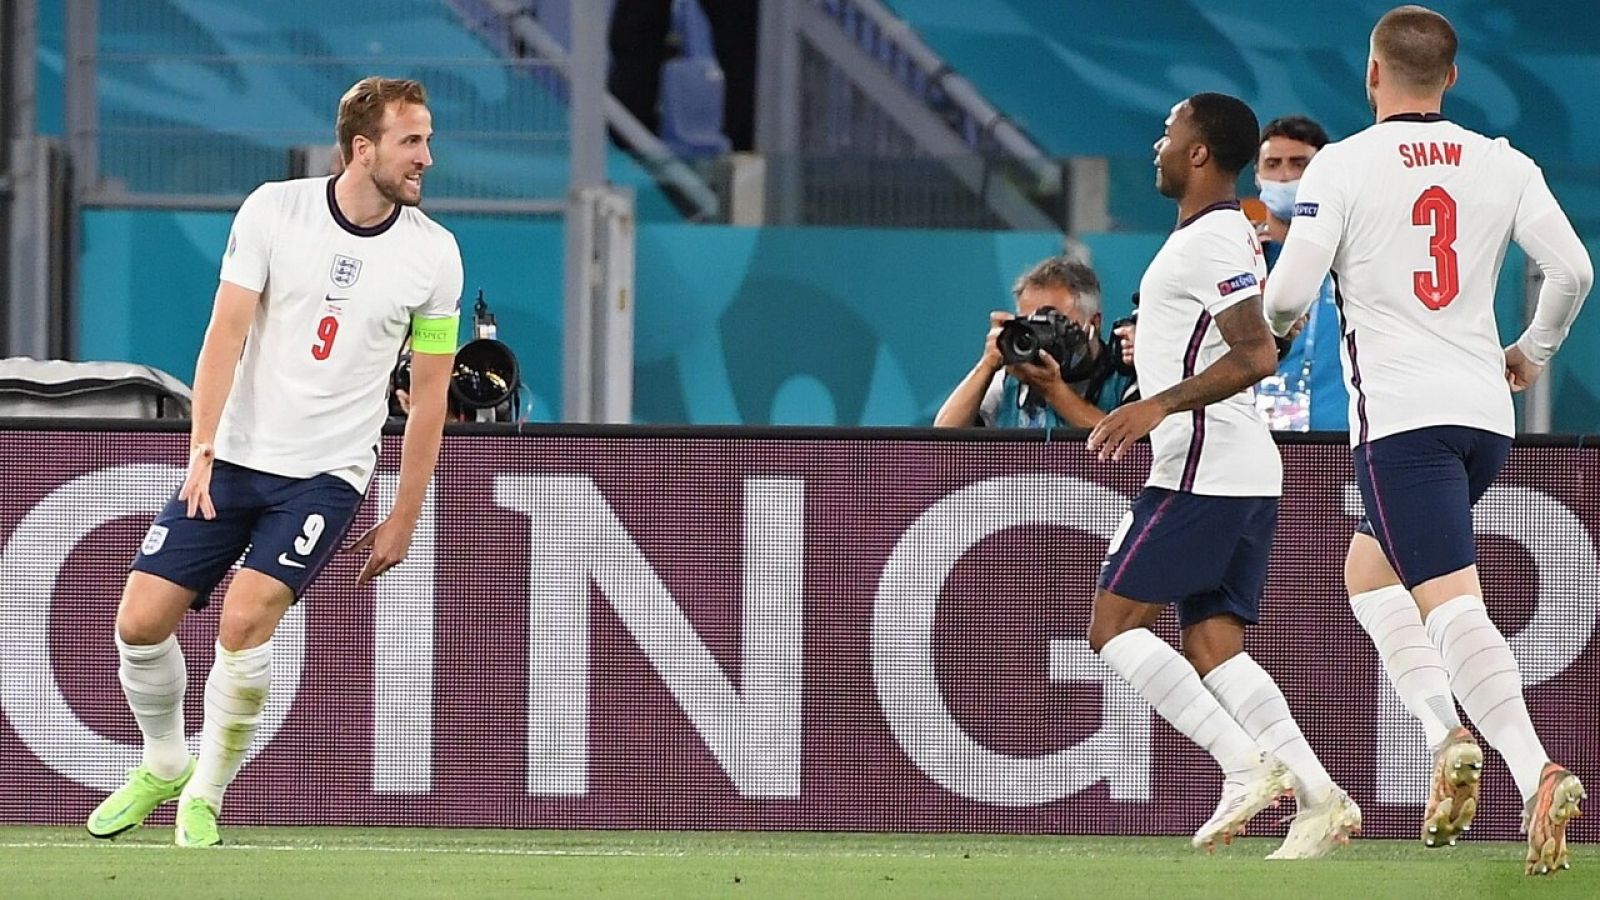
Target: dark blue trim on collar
[
  {"x": 1416, "y": 117},
  {"x": 353, "y": 228},
  {"x": 1224, "y": 204}
]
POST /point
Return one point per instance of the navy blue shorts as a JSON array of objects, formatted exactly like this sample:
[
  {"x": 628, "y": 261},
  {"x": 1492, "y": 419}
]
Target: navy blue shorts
[
  {"x": 1206, "y": 554},
  {"x": 1418, "y": 488},
  {"x": 292, "y": 526}
]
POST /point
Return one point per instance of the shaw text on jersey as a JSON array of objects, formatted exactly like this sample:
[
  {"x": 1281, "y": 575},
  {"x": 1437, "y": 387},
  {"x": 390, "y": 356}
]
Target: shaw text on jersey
[{"x": 1430, "y": 153}]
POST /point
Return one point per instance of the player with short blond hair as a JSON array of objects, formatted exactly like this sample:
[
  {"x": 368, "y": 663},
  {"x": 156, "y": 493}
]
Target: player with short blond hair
[{"x": 1413, "y": 215}]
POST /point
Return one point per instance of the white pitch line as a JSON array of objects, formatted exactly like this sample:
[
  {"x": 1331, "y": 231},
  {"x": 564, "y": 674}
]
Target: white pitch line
[
  {"x": 479, "y": 851},
  {"x": 285, "y": 848}
]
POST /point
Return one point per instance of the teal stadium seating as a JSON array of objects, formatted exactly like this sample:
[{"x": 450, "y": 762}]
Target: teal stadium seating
[
  {"x": 1096, "y": 79},
  {"x": 200, "y": 98}
]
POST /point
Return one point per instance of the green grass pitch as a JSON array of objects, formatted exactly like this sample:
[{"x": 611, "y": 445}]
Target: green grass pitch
[{"x": 393, "y": 863}]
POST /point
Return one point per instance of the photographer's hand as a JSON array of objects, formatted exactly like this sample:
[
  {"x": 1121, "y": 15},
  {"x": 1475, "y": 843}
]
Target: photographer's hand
[
  {"x": 1042, "y": 376},
  {"x": 961, "y": 408},
  {"x": 991, "y": 360},
  {"x": 1045, "y": 377},
  {"x": 1126, "y": 332}
]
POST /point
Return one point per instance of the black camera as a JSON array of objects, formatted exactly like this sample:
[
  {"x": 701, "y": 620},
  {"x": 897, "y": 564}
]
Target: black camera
[
  {"x": 486, "y": 376},
  {"x": 485, "y": 380},
  {"x": 1021, "y": 340}
]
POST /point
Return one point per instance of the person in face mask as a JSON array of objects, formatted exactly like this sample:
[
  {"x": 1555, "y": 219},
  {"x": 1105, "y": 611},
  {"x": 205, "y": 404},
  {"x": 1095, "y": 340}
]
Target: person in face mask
[
  {"x": 1287, "y": 145},
  {"x": 1308, "y": 391}
]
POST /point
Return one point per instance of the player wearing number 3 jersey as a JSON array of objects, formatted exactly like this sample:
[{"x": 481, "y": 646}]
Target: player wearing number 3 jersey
[
  {"x": 1413, "y": 216},
  {"x": 322, "y": 281}
]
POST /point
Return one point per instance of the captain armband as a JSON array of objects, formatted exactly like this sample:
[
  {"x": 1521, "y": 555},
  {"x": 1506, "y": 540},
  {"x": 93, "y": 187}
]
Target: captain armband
[{"x": 434, "y": 335}]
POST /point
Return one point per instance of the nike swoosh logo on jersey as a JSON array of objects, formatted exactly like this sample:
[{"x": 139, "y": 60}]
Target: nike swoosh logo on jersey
[{"x": 284, "y": 560}]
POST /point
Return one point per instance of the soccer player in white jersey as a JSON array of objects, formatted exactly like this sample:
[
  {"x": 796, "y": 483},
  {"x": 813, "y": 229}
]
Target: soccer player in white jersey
[
  {"x": 1413, "y": 215},
  {"x": 1199, "y": 534},
  {"x": 322, "y": 281}
]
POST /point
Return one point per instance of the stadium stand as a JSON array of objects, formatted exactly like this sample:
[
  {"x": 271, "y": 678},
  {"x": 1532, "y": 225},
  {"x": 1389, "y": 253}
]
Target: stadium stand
[
  {"x": 1093, "y": 83},
  {"x": 209, "y": 99}
]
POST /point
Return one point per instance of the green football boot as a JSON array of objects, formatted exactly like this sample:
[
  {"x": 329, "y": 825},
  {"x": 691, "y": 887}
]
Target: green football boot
[
  {"x": 132, "y": 803},
  {"x": 196, "y": 825}
]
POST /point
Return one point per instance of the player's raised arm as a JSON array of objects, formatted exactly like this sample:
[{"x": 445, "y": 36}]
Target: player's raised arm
[
  {"x": 1308, "y": 248},
  {"x": 1296, "y": 282},
  {"x": 1252, "y": 355},
  {"x": 1545, "y": 233}
]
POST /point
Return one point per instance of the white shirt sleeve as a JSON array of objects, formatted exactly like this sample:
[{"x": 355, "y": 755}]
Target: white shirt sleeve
[
  {"x": 246, "y": 260},
  {"x": 444, "y": 302},
  {"x": 1295, "y": 281},
  {"x": 1319, "y": 203},
  {"x": 1544, "y": 232},
  {"x": 1222, "y": 270}
]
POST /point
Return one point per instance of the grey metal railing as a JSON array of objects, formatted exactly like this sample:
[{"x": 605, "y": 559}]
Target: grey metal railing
[
  {"x": 193, "y": 106},
  {"x": 922, "y": 71},
  {"x": 510, "y": 26}
]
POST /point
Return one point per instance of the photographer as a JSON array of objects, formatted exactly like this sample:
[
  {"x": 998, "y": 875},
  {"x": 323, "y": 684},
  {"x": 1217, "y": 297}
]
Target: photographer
[{"x": 1074, "y": 391}]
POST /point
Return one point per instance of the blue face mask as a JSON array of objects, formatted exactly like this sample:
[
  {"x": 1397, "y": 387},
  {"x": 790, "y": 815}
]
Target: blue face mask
[{"x": 1278, "y": 197}]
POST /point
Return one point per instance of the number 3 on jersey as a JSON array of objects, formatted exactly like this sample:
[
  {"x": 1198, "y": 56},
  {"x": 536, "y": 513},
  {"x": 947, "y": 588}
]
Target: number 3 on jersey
[
  {"x": 327, "y": 330},
  {"x": 1436, "y": 288}
]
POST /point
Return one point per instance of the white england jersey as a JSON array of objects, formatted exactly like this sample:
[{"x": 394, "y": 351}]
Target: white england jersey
[
  {"x": 1417, "y": 211},
  {"x": 337, "y": 302},
  {"x": 1211, "y": 262}
]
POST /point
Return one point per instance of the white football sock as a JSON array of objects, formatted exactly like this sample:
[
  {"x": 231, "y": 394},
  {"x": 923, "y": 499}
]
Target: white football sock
[
  {"x": 1484, "y": 676},
  {"x": 153, "y": 679},
  {"x": 1169, "y": 683},
  {"x": 1252, "y": 698},
  {"x": 236, "y": 692},
  {"x": 1391, "y": 618}
]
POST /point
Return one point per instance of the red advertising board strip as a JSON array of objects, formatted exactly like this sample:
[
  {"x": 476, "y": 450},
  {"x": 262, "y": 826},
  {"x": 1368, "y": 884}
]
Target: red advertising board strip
[{"x": 714, "y": 631}]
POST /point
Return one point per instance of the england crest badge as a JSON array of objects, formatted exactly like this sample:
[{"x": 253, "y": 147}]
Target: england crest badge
[{"x": 345, "y": 270}]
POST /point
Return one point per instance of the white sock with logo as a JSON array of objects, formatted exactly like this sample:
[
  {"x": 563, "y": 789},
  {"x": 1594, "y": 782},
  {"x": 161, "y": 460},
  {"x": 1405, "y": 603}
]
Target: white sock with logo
[
  {"x": 1252, "y": 698},
  {"x": 1169, "y": 683},
  {"x": 153, "y": 679},
  {"x": 236, "y": 692},
  {"x": 1484, "y": 676},
  {"x": 1391, "y": 618}
]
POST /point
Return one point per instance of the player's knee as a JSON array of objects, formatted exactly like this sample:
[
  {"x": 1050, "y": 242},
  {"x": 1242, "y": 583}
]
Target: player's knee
[
  {"x": 150, "y": 609},
  {"x": 1102, "y": 630},
  {"x": 242, "y": 632},
  {"x": 245, "y": 625},
  {"x": 143, "y": 624},
  {"x": 1205, "y": 657},
  {"x": 139, "y": 630},
  {"x": 252, "y": 609}
]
